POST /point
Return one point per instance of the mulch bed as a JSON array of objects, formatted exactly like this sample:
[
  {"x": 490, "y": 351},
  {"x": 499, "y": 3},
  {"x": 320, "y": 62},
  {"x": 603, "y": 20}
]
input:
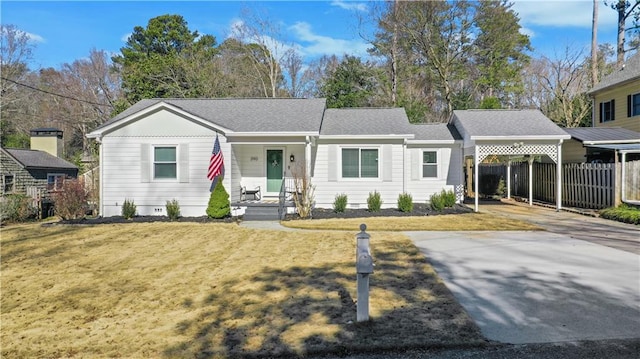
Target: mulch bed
[{"x": 318, "y": 213}]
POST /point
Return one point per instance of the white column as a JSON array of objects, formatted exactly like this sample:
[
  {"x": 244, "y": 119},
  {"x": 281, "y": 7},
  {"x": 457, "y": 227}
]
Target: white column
[
  {"x": 559, "y": 176},
  {"x": 623, "y": 177},
  {"x": 307, "y": 158},
  {"x": 531, "y": 181},
  {"x": 509, "y": 178},
  {"x": 475, "y": 176}
]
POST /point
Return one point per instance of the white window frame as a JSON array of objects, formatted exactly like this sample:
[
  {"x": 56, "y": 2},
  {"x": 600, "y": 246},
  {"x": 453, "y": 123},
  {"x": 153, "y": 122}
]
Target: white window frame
[
  {"x": 422, "y": 164},
  {"x": 58, "y": 180},
  {"x": 611, "y": 104},
  {"x": 360, "y": 148},
  {"x": 154, "y": 162}
]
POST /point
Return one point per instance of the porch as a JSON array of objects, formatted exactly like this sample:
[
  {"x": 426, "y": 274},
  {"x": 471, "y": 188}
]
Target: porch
[{"x": 253, "y": 206}]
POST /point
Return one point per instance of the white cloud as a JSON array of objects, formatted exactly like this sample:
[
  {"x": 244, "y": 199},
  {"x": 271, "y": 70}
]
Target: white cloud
[
  {"x": 125, "y": 37},
  {"x": 317, "y": 45},
  {"x": 527, "y": 31},
  {"x": 350, "y": 5},
  {"x": 576, "y": 13},
  {"x": 35, "y": 38}
]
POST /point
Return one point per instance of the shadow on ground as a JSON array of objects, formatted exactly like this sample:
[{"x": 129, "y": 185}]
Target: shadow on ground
[{"x": 311, "y": 310}]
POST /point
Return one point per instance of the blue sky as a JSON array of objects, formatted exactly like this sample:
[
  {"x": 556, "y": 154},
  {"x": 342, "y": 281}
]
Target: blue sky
[{"x": 65, "y": 31}]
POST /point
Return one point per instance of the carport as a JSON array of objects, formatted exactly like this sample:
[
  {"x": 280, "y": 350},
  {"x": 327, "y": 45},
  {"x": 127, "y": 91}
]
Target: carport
[{"x": 516, "y": 134}]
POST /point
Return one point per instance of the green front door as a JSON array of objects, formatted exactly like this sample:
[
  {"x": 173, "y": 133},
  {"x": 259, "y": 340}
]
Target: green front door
[{"x": 274, "y": 170}]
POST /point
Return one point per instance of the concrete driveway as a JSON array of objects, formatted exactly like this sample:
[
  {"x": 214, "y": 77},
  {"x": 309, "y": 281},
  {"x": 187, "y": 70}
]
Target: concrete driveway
[{"x": 539, "y": 286}]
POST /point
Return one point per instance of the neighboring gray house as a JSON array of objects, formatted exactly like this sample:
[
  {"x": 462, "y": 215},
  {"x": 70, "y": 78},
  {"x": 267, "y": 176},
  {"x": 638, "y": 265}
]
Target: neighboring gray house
[
  {"x": 159, "y": 150},
  {"x": 32, "y": 168}
]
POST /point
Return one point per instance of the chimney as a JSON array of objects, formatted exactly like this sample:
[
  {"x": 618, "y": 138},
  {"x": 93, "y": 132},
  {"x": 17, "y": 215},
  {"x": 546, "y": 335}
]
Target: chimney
[{"x": 48, "y": 140}]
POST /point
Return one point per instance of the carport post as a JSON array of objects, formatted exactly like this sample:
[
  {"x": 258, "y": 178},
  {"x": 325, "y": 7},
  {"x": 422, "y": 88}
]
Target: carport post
[
  {"x": 559, "y": 176},
  {"x": 509, "y": 178},
  {"x": 475, "y": 176},
  {"x": 530, "y": 180}
]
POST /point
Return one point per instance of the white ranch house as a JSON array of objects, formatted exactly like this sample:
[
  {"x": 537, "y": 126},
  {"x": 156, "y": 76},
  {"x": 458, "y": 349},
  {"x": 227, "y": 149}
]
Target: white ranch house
[{"x": 159, "y": 150}]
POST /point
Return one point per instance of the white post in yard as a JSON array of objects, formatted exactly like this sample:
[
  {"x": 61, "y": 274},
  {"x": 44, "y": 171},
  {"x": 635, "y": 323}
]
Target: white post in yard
[
  {"x": 364, "y": 267},
  {"x": 623, "y": 177},
  {"x": 531, "y": 180}
]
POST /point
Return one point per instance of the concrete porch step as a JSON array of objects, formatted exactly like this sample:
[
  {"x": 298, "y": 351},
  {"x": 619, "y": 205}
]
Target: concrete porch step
[{"x": 261, "y": 213}]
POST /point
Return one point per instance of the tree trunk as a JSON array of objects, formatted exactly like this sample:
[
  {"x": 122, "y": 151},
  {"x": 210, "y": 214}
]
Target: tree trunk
[
  {"x": 621, "y": 18},
  {"x": 394, "y": 56},
  {"x": 594, "y": 44}
]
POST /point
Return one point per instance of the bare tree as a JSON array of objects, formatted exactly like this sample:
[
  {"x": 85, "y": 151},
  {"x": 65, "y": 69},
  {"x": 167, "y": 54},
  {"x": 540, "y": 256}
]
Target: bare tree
[
  {"x": 268, "y": 52},
  {"x": 626, "y": 9},
  {"x": 594, "y": 44},
  {"x": 567, "y": 79}
]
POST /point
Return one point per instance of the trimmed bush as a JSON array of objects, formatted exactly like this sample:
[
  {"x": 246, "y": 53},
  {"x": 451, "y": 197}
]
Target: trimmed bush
[
  {"x": 71, "y": 200},
  {"x": 449, "y": 198},
  {"x": 219, "y": 206},
  {"x": 405, "y": 202},
  {"x": 17, "y": 208},
  {"x": 623, "y": 213},
  {"x": 442, "y": 200},
  {"x": 436, "y": 201},
  {"x": 374, "y": 202},
  {"x": 173, "y": 209},
  {"x": 128, "y": 209},
  {"x": 340, "y": 203}
]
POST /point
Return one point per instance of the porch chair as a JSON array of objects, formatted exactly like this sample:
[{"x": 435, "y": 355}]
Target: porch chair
[{"x": 253, "y": 192}]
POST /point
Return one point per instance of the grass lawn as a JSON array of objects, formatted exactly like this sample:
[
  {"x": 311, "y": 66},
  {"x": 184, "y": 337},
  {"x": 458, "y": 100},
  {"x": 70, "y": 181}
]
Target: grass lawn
[
  {"x": 187, "y": 290},
  {"x": 458, "y": 222}
]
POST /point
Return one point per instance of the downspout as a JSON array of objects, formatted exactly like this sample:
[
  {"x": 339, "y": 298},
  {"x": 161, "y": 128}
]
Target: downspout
[
  {"x": 307, "y": 157},
  {"x": 101, "y": 176}
]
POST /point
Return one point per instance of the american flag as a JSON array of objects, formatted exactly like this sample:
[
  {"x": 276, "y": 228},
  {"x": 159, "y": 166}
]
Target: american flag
[{"x": 216, "y": 163}]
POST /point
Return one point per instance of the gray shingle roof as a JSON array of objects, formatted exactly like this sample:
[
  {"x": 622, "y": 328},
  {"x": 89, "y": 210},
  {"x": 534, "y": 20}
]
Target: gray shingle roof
[
  {"x": 603, "y": 134},
  {"x": 365, "y": 121},
  {"x": 39, "y": 159},
  {"x": 246, "y": 115},
  {"x": 630, "y": 71},
  {"x": 507, "y": 123},
  {"x": 435, "y": 132}
]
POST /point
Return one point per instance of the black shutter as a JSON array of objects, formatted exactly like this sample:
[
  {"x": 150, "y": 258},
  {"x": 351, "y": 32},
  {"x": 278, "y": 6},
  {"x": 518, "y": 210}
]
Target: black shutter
[
  {"x": 601, "y": 111},
  {"x": 629, "y": 106},
  {"x": 613, "y": 110}
]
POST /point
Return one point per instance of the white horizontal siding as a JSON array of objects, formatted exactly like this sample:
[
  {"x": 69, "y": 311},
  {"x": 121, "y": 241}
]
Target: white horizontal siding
[
  {"x": 449, "y": 172},
  {"x": 357, "y": 190},
  {"x": 122, "y": 178}
]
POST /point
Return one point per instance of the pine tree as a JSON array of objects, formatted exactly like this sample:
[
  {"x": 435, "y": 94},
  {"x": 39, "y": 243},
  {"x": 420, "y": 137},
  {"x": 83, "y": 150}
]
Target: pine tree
[{"x": 219, "y": 206}]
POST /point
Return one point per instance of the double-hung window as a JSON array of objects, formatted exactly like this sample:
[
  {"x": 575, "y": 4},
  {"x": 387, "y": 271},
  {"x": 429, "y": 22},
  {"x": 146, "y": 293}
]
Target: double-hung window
[
  {"x": 9, "y": 183},
  {"x": 429, "y": 164},
  {"x": 54, "y": 181},
  {"x": 633, "y": 105},
  {"x": 360, "y": 163},
  {"x": 607, "y": 111},
  {"x": 165, "y": 165}
]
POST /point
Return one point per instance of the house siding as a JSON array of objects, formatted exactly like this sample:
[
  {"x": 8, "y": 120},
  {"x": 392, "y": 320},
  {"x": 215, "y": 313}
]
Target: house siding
[
  {"x": 394, "y": 174},
  {"x": 619, "y": 94},
  {"x": 449, "y": 172},
  {"x": 23, "y": 178},
  {"x": 573, "y": 152},
  {"x": 123, "y": 176}
]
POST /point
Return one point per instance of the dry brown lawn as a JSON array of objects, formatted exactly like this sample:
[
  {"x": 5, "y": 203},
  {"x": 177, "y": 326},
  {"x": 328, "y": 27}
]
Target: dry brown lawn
[
  {"x": 186, "y": 290},
  {"x": 458, "y": 222}
]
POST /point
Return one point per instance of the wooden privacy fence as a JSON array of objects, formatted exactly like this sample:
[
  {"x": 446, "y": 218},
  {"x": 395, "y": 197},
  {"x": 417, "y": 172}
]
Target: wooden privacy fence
[{"x": 584, "y": 185}]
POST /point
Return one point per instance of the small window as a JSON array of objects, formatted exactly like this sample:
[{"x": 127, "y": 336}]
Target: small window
[
  {"x": 9, "y": 184},
  {"x": 55, "y": 181},
  {"x": 359, "y": 163},
  {"x": 607, "y": 111},
  {"x": 634, "y": 105},
  {"x": 164, "y": 163},
  {"x": 429, "y": 164}
]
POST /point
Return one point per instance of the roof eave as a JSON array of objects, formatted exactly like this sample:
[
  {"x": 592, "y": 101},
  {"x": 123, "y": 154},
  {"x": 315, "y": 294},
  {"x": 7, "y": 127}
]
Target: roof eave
[{"x": 367, "y": 137}]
